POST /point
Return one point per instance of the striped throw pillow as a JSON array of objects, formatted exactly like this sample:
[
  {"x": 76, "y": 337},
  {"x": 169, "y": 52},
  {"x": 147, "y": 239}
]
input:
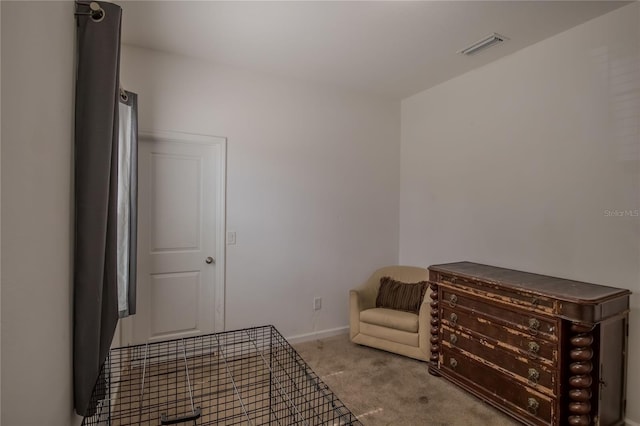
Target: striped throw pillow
[{"x": 401, "y": 296}]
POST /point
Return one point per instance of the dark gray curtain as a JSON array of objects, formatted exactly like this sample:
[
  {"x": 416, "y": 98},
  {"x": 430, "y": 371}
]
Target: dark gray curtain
[{"x": 96, "y": 166}]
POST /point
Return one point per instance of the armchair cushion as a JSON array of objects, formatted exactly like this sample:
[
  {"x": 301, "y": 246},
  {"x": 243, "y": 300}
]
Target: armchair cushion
[
  {"x": 391, "y": 318},
  {"x": 401, "y": 296}
]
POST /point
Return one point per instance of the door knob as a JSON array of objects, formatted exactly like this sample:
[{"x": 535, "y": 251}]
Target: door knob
[{"x": 210, "y": 260}]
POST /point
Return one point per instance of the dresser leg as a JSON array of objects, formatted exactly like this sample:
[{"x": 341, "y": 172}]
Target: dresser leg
[
  {"x": 580, "y": 379},
  {"x": 435, "y": 331}
]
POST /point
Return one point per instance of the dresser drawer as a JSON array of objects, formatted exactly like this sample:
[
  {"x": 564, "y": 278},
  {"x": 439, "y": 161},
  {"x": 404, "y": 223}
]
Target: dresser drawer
[
  {"x": 534, "y": 407},
  {"x": 528, "y": 322},
  {"x": 519, "y": 341},
  {"x": 496, "y": 292},
  {"x": 535, "y": 375}
]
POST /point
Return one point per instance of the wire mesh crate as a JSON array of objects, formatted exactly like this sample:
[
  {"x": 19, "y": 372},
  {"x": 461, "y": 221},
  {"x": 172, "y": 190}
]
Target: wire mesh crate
[{"x": 244, "y": 377}]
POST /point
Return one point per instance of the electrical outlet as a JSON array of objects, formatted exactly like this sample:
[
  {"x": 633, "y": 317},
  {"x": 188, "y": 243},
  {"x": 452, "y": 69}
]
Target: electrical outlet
[{"x": 317, "y": 303}]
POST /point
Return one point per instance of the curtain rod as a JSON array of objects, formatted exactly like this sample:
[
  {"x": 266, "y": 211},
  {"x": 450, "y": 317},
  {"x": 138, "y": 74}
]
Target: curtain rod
[{"x": 96, "y": 12}]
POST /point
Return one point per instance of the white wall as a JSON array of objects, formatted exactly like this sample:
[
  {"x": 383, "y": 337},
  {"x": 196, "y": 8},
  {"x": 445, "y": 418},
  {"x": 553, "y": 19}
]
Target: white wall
[
  {"x": 312, "y": 182},
  {"x": 516, "y": 163},
  {"x": 37, "y": 121}
]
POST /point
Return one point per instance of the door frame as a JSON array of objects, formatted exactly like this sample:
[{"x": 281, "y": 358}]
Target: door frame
[{"x": 220, "y": 226}]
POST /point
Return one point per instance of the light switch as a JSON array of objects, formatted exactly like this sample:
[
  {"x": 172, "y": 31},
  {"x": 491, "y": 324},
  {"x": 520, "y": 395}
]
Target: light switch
[{"x": 231, "y": 237}]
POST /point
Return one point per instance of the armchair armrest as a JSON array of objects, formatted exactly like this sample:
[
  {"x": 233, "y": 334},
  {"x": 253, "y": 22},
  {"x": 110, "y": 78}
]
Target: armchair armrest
[
  {"x": 424, "y": 326},
  {"x": 360, "y": 299},
  {"x": 354, "y": 313}
]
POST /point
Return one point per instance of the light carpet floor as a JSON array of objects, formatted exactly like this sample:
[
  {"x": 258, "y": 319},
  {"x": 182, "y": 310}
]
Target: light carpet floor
[{"x": 382, "y": 388}]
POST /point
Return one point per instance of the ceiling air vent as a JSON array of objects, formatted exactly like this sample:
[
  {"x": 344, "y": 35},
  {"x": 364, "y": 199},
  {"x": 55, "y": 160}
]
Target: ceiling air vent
[{"x": 485, "y": 43}]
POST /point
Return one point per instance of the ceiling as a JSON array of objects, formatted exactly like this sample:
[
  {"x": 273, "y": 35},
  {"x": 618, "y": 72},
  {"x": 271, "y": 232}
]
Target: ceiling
[{"x": 389, "y": 48}]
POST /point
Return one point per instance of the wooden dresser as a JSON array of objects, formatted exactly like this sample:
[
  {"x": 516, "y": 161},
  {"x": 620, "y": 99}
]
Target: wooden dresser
[{"x": 544, "y": 350}]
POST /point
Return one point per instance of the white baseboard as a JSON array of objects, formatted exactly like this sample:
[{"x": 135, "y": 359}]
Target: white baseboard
[
  {"x": 628, "y": 422},
  {"x": 322, "y": 334}
]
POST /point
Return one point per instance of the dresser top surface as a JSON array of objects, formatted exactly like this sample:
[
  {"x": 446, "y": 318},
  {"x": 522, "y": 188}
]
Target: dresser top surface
[{"x": 553, "y": 286}]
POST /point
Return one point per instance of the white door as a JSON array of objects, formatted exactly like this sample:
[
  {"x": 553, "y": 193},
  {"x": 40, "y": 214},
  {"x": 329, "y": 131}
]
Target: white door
[{"x": 180, "y": 231}]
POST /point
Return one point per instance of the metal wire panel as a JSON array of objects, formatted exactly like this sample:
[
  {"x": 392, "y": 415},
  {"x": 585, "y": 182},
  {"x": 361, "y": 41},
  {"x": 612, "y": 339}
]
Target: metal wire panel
[{"x": 249, "y": 377}]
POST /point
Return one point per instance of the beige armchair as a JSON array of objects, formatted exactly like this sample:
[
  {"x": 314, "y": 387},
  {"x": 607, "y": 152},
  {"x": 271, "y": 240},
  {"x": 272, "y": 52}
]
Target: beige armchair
[{"x": 401, "y": 332}]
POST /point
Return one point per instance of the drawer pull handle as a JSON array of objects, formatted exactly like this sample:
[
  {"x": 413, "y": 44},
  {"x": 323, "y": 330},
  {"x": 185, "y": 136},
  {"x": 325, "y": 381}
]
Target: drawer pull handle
[
  {"x": 453, "y": 339},
  {"x": 534, "y": 348},
  {"x": 535, "y": 301},
  {"x": 453, "y": 363},
  {"x": 454, "y": 319},
  {"x": 532, "y": 405},
  {"x": 453, "y": 300},
  {"x": 534, "y": 325},
  {"x": 534, "y": 376}
]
